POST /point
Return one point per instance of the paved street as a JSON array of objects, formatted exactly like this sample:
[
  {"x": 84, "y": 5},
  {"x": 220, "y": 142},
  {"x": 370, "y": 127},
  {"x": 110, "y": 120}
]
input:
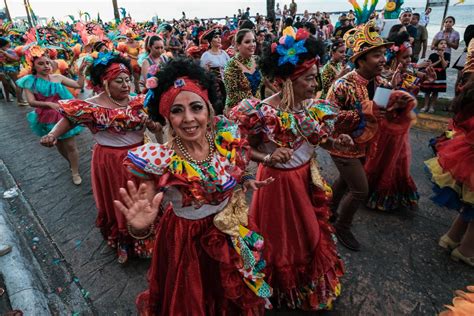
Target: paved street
[{"x": 400, "y": 270}]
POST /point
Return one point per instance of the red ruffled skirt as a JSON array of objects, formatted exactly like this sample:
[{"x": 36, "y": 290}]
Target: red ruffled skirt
[
  {"x": 457, "y": 157},
  {"x": 388, "y": 168},
  {"x": 303, "y": 266},
  {"x": 193, "y": 272},
  {"x": 108, "y": 176}
]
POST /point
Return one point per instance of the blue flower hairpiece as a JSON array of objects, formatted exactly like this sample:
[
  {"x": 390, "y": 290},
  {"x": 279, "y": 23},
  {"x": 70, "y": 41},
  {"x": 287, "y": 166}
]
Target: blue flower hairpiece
[
  {"x": 103, "y": 58},
  {"x": 289, "y": 49}
]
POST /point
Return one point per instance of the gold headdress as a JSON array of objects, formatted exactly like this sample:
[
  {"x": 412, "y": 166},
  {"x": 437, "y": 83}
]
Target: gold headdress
[
  {"x": 364, "y": 38},
  {"x": 469, "y": 65}
]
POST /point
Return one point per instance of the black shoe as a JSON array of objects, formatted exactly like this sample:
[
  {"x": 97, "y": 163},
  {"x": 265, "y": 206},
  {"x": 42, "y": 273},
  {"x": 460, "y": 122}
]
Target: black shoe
[{"x": 347, "y": 239}]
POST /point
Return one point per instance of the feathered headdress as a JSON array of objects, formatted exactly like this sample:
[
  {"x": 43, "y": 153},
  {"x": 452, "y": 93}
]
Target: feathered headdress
[{"x": 363, "y": 14}]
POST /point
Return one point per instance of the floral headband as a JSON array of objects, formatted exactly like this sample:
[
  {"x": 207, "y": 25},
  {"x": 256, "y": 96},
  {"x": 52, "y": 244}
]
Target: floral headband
[{"x": 289, "y": 48}]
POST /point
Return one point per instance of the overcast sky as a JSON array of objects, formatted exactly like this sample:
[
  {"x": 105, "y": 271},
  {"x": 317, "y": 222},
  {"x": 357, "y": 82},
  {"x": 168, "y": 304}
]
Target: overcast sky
[{"x": 145, "y": 9}]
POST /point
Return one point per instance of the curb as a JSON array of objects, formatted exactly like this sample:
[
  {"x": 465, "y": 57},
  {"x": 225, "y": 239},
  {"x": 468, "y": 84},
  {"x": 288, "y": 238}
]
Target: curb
[
  {"x": 25, "y": 290},
  {"x": 433, "y": 123},
  {"x": 30, "y": 281}
]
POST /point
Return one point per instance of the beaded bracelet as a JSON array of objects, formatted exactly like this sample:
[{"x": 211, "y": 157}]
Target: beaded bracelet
[{"x": 148, "y": 234}]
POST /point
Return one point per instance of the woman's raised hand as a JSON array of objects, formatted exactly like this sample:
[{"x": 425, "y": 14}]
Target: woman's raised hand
[{"x": 139, "y": 211}]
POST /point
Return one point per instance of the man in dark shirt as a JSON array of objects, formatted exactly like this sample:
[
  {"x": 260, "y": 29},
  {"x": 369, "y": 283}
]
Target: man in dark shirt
[{"x": 405, "y": 19}]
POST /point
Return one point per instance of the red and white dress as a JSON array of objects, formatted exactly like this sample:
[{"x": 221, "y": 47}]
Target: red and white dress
[
  {"x": 197, "y": 268},
  {"x": 115, "y": 131},
  {"x": 292, "y": 212}
]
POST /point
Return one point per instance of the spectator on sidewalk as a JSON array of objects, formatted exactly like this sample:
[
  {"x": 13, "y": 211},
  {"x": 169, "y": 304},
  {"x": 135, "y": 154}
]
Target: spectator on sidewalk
[
  {"x": 293, "y": 8},
  {"x": 405, "y": 20},
  {"x": 425, "y": 18},
  {"x": 449, "y": 34},
  {"x": 420, "y": 42}
]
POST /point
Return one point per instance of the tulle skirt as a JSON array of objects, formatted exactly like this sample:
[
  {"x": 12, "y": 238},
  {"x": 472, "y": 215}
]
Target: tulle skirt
[
  {"x": 303, "y": 266},
  {"x": 42, "y": 122},
  {"x": 452, "y": 172},
  {"x": 108, "y": 176},
  {"x": 193, "y": 272}
]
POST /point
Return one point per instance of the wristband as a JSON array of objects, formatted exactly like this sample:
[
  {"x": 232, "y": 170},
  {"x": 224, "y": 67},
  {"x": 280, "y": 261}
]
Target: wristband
[{"x": 267, "y": 159}]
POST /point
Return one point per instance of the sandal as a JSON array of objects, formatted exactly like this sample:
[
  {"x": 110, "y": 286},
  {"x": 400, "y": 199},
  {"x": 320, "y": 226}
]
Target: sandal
[{"x": 76, "y": 179}]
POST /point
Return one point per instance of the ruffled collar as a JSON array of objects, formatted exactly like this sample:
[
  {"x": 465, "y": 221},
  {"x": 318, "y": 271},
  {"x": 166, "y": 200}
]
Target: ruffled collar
[{"x": 202, "y": 181}]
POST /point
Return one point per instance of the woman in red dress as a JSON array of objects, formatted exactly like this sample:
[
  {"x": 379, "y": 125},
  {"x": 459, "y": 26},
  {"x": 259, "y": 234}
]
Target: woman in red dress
[
  {"x": 292, "y": 212},
  {"x": 117, "y": 122},
  {"x": 389, "y": 157},
  {"x": 205, "y": 261},
  {"x": 453, "y": 170}
]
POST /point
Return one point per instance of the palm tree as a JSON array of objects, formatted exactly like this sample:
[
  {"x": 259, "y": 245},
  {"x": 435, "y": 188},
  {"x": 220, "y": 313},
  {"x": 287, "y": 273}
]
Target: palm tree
[
  {"x": 116, "y": 10},
  {"x": 271, "y": 9},
  {"x": 27, "y": 8},
  {"x": 7, "y": 12}
]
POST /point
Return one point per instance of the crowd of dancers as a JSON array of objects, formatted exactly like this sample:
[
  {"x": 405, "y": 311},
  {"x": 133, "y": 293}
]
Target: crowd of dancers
[{"x": 179, "y": 128}]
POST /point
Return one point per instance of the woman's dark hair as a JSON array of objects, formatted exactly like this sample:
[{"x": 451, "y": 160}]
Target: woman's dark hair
[
  {"x": 336, "y": 44},
  {"x": 96, "y": 72},
  {"x": 468, "y": 34},
  {"x": 3, "y": 42},
  {"x": 450, "y": 17},
  {"x": 288, "y": 22},
  {"x": 168, "y": 27},
  {"x": 399, "y": 38},
  {"x": 239, "y": 37},
  {"x": 311, "y": 28},
  {"x": 247, "y": 24},
  {"x": 150, "y": 41},
  {"x": 269, "y": 62},
  {"x": 395, "y": 29},
  {"x": 174, "y": 69},
  {"x": 98, "y": 45}
]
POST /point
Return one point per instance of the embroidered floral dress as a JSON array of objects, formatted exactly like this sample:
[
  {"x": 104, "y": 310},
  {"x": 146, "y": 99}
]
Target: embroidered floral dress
[
  {"x": 116, "y": 131},
  {"x": 43, "y": 119},
  {"x": 292, "y": 212},
  {"x": 328, "y": 75},
  {"x": 240, "y": 85},
  {"x": 205, "y": 261}
]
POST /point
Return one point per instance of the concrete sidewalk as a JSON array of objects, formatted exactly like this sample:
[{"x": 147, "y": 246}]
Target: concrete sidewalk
[
  {"x": 400, "y": 270},
  {"x": 34, "y": 285}
]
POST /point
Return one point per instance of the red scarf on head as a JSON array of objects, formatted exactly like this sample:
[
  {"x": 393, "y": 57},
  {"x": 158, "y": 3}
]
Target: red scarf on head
[
  {"x": 114, "y": 70},
  {"x": 180, "y": 84},
  {"x": 299, "y": 70}
]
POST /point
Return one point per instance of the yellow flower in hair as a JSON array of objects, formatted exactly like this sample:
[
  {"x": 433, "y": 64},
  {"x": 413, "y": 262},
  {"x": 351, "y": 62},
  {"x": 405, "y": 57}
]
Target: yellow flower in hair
[{"x": 36, "y": 51}]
